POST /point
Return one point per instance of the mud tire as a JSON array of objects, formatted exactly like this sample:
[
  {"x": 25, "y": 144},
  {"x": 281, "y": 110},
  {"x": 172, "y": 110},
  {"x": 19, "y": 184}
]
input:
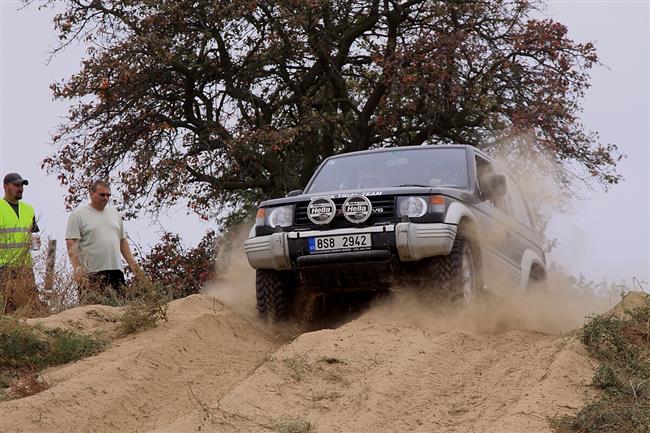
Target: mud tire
[
  {"x": 273, "y": 290},
  {"x": 451, "y": 272}
]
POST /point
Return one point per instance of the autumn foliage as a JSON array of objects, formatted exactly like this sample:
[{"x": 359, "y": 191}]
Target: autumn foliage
[
  {"x": 181, "y": 271},
  {"x": 222, "y": 103}
]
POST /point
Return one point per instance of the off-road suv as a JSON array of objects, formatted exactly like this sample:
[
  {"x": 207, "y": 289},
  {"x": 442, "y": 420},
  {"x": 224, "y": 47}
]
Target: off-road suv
[{"x": 446, "y": 216}]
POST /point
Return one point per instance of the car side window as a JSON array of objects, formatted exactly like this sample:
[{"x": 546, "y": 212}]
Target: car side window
[
  {"x": 519, "y": 208},
  {"x": 484, "y": 169}
]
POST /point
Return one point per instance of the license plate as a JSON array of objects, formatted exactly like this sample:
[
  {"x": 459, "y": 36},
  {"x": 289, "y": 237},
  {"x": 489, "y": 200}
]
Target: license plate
[{"x": 340, "y": 243}]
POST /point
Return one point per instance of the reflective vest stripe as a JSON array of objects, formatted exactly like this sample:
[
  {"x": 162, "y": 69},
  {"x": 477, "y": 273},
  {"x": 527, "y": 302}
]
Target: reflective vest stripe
[
  {"x": 14, "y": 245},
  {"x": 16, "y": 230}
]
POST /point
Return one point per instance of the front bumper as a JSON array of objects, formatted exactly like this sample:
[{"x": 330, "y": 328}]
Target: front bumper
[{"x": 406, "y": 241}]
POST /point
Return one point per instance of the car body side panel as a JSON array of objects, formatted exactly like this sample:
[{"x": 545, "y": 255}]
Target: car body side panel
[
  {"x": 501, "y": 260},
  {"x": 500, "y": 273}
]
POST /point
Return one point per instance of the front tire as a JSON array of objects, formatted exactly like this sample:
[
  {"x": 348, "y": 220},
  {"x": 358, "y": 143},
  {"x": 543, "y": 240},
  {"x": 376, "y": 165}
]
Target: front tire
[
  {"x": 456, "y": 274},
  {"x": 272, "y": 292}
]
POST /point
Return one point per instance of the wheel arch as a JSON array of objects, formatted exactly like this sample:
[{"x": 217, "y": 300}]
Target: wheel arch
[
  {"x": 467, "y": 228},
  {"x": 532, "y": 268}
]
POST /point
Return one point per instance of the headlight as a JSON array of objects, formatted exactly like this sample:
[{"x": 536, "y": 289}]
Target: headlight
[
  {"x": 281, "y": 216},
  {"x": 411, "y": 206}
]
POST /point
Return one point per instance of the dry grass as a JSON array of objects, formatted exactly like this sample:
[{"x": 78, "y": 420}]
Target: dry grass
[
  {"x": 294, "y": 426},
  {"x": 26, "y": 384},
  {"x": 39, "y": 293},
  {"x": 19, "y": 294},
  {"x": 147, "y": 307}
]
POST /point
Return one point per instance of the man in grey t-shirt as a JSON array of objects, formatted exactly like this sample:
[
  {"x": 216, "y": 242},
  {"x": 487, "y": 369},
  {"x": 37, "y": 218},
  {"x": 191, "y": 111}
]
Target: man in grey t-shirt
[{"x": 95, "y": 238}]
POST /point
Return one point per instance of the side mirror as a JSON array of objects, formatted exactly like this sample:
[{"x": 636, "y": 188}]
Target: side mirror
[
  {"x": 496, "y": 186},
  {"x": 294, "y": 193}
]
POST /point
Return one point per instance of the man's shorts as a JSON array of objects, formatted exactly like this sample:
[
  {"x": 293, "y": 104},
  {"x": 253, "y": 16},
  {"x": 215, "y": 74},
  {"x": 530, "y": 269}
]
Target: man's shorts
[{"x": 113, "y": 279}]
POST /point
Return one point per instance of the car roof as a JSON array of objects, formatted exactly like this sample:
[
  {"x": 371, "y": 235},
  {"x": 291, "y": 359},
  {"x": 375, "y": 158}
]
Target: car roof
[{"x": 402, "y": 148}]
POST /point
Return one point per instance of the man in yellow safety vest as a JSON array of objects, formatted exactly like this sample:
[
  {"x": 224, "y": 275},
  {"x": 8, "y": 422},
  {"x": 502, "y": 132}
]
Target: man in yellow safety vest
[{"x": 17, "y": 226}]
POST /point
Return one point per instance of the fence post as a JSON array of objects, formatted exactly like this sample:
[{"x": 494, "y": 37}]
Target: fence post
[{"x": 50, "y": 260}]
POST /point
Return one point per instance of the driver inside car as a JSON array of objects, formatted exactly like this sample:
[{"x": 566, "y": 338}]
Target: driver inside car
[
  {"x": 368, "y": 181},
  {"x": 444, "y": 176}
]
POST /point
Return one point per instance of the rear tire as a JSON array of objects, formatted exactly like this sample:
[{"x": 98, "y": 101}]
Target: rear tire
[
  {"x": 273, "y": 289},
  {"x": 536, "y": 280}
]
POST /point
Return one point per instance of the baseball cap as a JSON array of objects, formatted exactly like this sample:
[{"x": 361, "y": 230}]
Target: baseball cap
[{"x": 15, "y": 178}]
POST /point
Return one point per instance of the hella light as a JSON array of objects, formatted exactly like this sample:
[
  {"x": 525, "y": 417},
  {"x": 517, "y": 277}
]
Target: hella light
[
  {"x": 280, "y": 216},
  {"x": 412, "y": 207}
]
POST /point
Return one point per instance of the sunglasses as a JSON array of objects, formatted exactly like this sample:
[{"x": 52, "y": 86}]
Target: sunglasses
[{"x": 104, "y": 194}]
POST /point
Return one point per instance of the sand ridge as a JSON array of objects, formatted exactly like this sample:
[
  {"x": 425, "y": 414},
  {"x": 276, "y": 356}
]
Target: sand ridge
[{"x": 378, "y": 377}]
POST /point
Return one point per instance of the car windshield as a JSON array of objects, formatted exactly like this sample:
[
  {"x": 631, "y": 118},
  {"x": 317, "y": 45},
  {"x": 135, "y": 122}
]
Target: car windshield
[{"x": 431, "y": 166}]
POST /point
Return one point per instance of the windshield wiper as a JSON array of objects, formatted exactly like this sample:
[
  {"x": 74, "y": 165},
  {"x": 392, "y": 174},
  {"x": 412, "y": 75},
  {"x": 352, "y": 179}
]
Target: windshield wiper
[{"x": 411, "y": 184}]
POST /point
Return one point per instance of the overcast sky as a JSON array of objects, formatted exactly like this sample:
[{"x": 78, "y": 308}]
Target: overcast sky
[{"x": 606, "y": 235}]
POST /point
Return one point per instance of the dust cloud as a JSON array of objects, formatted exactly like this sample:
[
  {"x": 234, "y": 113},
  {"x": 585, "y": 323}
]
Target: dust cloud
[
  {"x": 554, "y": 310},
  {"x": 548, "y": 186},
  {"x": 234, "y": 284}
]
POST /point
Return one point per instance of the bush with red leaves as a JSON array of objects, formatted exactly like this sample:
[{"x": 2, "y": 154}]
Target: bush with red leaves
[{"x": 179, "y": 270}]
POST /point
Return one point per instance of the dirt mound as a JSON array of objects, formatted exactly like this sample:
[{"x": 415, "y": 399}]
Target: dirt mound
[
  {"x": 148, "y": 379},
  {"x": 630, "y": 301},
  {"x": 401, "y": 367},
  {"x": 88, "y": 319},
  {"x": 403, "y": 379},
  {"x": 504, "y": 364}
]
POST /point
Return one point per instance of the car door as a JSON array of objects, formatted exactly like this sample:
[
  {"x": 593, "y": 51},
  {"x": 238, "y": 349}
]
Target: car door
[
  {"x": 525, "y": 236},
  {"x": 501, "y": 250}
]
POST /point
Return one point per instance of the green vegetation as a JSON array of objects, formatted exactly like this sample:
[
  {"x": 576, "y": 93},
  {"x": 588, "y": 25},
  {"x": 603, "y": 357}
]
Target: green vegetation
[
  {"x": 25, "y": 349},
  {"x": 622, "y": 346},
  {"x": 294, "y": 426},
  {"x": 23, "y": 345}
]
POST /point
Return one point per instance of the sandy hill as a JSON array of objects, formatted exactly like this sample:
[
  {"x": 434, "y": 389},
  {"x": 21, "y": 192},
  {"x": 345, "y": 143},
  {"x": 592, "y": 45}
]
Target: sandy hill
[
  {"x": 146, "y": 380},
  {"x": 502, "y": 365}
]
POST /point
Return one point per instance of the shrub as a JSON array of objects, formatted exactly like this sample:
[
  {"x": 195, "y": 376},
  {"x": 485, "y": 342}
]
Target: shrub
[
  {"x": 180, "y": 271},
  {"x": 67, "y": 346},
  {"x": 148, "y": 305},
  {"x": 622, "y": 346},
  {"x": 21, "y": 345}
]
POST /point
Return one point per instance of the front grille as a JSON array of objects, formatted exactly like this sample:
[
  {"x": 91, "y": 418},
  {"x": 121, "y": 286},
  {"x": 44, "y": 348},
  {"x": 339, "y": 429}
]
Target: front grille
[{"x": 387, "y": 204}]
